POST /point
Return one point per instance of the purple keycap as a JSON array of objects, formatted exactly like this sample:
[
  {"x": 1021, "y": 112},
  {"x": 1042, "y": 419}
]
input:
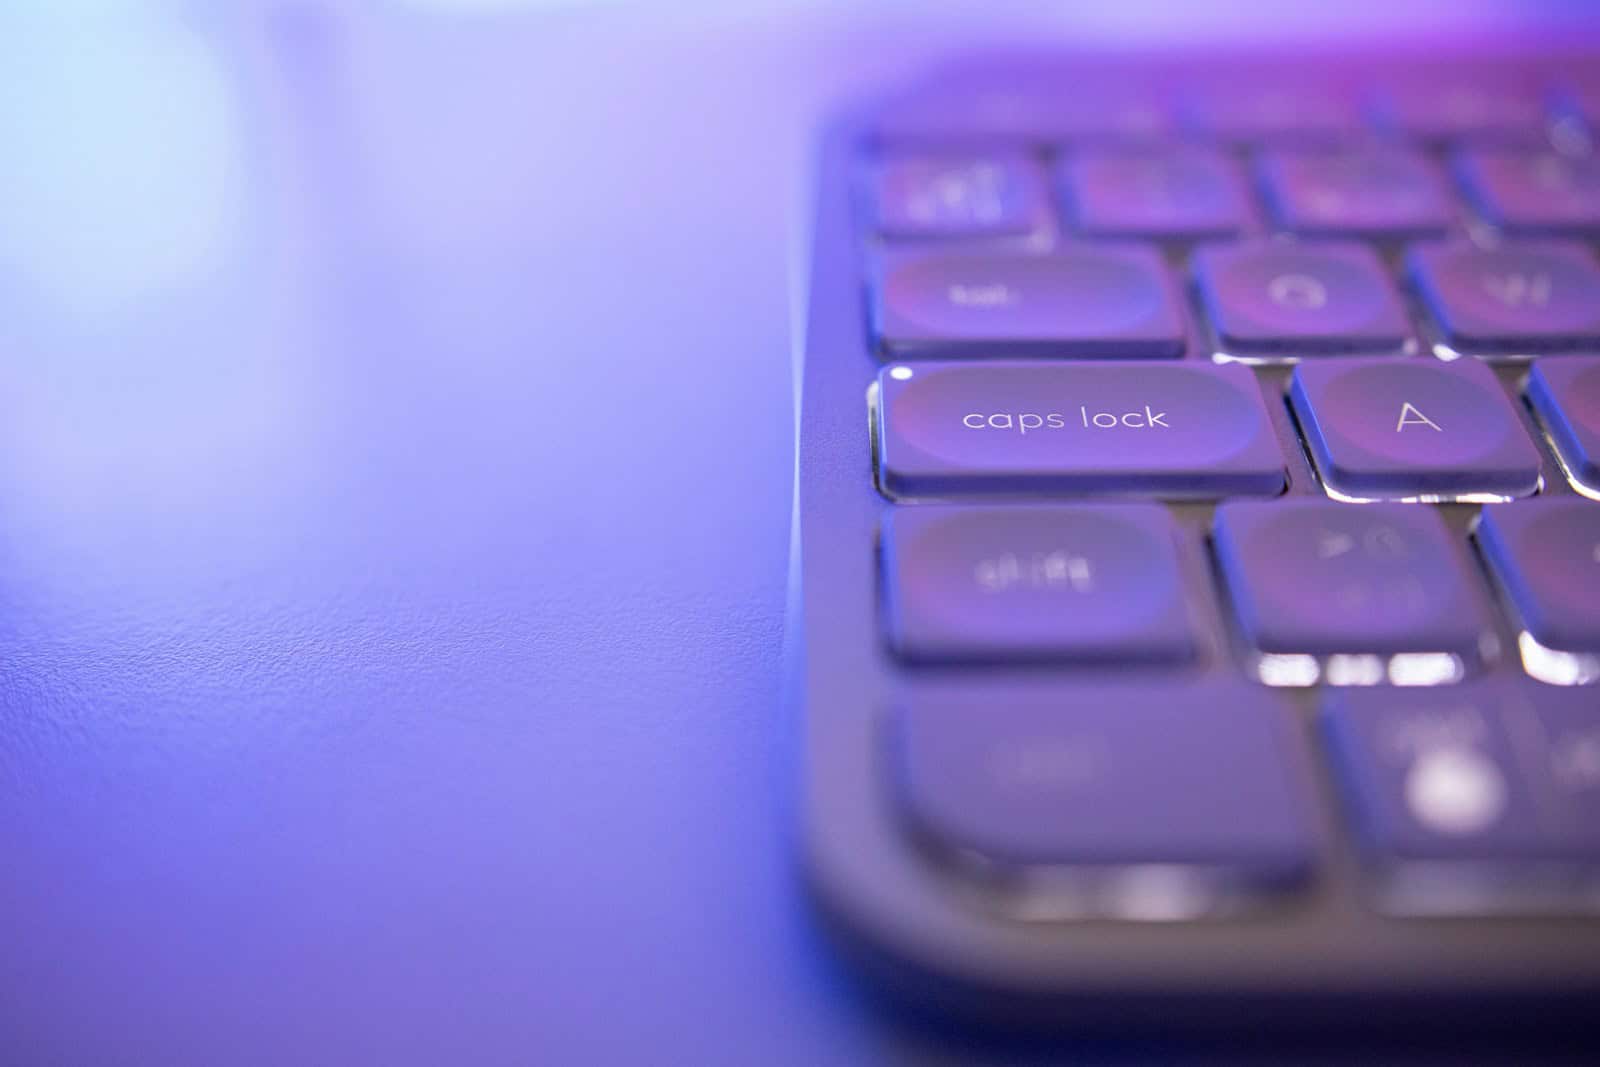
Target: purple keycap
[
  {"x": 1281, "y": 114},
  {"x": 1374, "y": 193},
  {"x": 1188, "y": 193},
  {"x": 1083, "y": 583},
  {"x": 1520, "y": 297},
  {"x": 1315, "y": 577},
  {"x": 993, "y": 195},
  {"x": 1093, "y": 302},
  {"x": 995, "y": 109},
  {"x": 1533, "y": 192},
  {"x": 1492, "y": 771},
  {"x": 1404, "y": 429},
  {"x": 1456, "y": 109},
  {"x": 1171, "y": 430},
  {"x": 1566, "y": 394},
  {"x": 1266, "y": 298},
  {"x": 1108, "y": 776},
  {"x": 1546, "y": 553}
]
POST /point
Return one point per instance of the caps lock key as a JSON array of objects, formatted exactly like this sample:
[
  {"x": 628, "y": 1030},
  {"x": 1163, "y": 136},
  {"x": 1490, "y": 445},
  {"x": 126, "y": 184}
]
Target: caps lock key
[{"x": 1176, "y": 430}]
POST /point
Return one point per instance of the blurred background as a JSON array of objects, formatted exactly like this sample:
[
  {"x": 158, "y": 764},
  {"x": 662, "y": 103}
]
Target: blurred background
[{"x": 395, "y": 455}]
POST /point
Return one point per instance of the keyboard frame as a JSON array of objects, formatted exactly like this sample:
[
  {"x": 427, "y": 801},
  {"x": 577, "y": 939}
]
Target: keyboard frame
[{"x": 929, "y": 929}]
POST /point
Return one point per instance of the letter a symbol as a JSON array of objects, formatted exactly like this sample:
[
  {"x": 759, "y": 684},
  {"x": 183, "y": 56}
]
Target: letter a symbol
[{"x": 1410, "y": 416}]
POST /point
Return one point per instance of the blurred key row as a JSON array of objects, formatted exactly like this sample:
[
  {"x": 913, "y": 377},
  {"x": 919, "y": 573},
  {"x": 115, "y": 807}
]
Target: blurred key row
[
  {"x": 1314, "y": 591},
  {"x": 1011, "y": 103},
  {"x": 1195, "y": 193},
  {"x": 1253, "y": 300},
  {"x": 1479, "y": 799},
  {"x": 1374, "y": 429}
]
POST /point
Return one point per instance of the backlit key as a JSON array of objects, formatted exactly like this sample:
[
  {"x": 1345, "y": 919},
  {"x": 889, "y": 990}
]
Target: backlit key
[
  {"x": 1279, "y": 300},
  {"x": 1186, "y": 193},
  {"x": 1512, "y": 298},
  {"x": 1109, "y": 780},
  {"x": 1565, "y": 391},
  {"x": 1546, "y": 553},
  {"x": 1160, "y": 429},
  {"x": 1475, "y": 798},
  {"x": 1089, "y": 301},
  {"x": 1410, "y": 428},
  {"x": 1318, "y": 578},
  {"x": 1533, "y": 192},
  {"x": 992, "y": 195},
  {"x": 1371, "y": 194},
  {"x": 1084, "y": 583}
]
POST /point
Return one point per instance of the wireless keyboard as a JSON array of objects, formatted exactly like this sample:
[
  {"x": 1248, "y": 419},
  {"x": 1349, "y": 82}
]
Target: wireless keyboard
[{"x": 1197, "y": 557}]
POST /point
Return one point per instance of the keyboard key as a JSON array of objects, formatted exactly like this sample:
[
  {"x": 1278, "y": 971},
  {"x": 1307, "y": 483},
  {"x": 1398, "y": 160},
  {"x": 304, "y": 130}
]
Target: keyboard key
[
  {"x": 1110, "y": 302},
  {"x": 1172, "y": 430},
  {"x": 1406, "y": 429},
  {"x": 1266, "y": 298},
  {"x": 1319, "y": 578},
  {"x": 1084, "y": 583},
  {"x": 1533, "y": 192},
  {"x": 1173, "y": 775},
  {"x": 1490, "y": 773},
  {"x": 994, "y": 195},
  {"x": 1565, "y": 392},
  {"x": 1453, "y": 109},
  {"x": 1513, "y": 298},
  {"x": 1546, "y": 553},
  {"x": 1000, "y": 109},
  {"x": 1187, "y": 193},
  {"x": 1259, "y": 114},
  {"x": 1369, "y": 194}
]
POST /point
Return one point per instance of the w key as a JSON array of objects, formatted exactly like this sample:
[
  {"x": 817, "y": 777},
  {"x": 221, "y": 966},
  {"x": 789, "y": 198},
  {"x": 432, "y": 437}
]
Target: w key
[{"x": 1521, "y": 297}]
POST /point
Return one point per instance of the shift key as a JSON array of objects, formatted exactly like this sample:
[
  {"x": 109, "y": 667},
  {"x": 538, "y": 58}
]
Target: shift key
[{"x": 1176, "y": 430}]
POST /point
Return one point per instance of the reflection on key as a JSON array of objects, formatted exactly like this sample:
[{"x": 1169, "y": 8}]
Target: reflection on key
[
  {"x": 1193, "y": 791},
  {"x": 1279, "y": 301},
  {"x": 1009, "y": 428},
  {"x": 1472, "y": 799},
  {"x": 1382, "y": 429},
  {"x": 1528, "y": 296},
  {"x": 1083, "y": 583},
  {"x": 1546, "y": 554},
  {"x": 1381, "y": 593},
  {"x": 1565, "y": 391},
  {"x": 1100, "y": 302}
]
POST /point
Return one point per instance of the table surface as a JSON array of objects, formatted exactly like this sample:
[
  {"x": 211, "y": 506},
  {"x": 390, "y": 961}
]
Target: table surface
[{"x": 395, "y": 471}]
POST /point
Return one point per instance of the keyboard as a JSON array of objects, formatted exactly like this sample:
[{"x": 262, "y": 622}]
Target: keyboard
[{"x": 1196, "y": 600}]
